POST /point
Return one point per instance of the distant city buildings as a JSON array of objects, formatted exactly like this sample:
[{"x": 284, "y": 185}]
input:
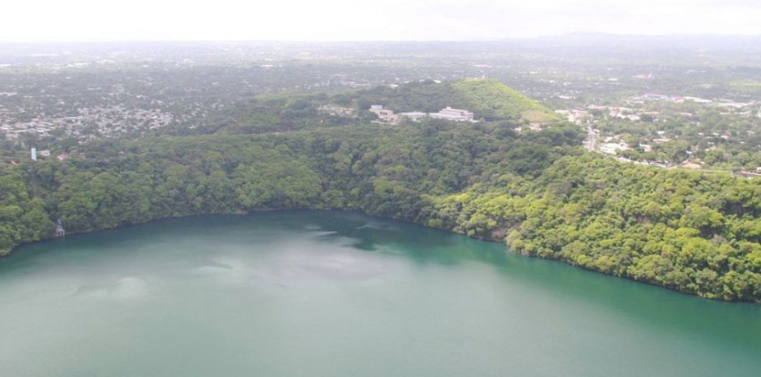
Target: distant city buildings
[
  {"x": 643, "y": 109},
  {"x": 101, "y": 121}
]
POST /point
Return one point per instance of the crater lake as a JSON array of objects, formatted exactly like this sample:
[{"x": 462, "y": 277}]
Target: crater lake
[{"x": 311, "y": 293}]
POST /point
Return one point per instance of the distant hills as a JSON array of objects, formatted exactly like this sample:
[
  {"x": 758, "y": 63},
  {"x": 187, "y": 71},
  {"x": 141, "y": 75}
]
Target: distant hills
[
  {"x": 685, "y": 40},
  {"x": 585, "y": 46}
]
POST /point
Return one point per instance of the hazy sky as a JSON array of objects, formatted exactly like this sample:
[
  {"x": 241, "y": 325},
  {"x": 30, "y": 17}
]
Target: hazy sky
[{"x": 305, "y": 20}]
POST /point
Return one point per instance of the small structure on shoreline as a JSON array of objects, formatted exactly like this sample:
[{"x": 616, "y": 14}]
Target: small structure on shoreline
[{"x": 59, "y": 231}]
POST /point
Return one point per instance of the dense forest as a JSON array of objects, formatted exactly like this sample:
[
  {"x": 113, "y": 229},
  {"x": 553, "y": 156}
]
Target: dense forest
[{"x": 537, "y": 190}]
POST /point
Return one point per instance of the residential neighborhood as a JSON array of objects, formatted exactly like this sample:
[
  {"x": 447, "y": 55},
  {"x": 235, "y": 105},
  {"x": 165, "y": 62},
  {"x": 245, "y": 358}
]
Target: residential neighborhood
[
  {"x": 681, "y": 128},
  {"x": 89, "y": 123}
]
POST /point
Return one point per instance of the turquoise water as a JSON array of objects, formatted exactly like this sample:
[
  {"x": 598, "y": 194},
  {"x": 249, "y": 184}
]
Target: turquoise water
[{"x": 342, "y": 294}]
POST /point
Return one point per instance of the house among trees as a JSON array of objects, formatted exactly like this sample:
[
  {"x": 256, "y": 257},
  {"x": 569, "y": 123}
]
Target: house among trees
[{"x": 384, "y": 115}]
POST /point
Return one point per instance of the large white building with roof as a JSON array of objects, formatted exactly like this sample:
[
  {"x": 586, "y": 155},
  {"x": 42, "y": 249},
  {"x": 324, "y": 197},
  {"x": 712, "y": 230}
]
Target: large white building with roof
[{"x": 457, "y": 115}]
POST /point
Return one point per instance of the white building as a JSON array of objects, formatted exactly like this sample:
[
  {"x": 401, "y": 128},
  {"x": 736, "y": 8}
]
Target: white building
[{"x": 457, "y": 115}]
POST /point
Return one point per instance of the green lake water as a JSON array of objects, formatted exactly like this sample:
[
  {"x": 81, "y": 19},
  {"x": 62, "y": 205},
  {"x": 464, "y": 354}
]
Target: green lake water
[{"x": 343, "y": 294}]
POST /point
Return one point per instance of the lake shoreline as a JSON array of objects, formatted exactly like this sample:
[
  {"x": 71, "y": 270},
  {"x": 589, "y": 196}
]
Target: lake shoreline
[{"x": 357, "y": 211}]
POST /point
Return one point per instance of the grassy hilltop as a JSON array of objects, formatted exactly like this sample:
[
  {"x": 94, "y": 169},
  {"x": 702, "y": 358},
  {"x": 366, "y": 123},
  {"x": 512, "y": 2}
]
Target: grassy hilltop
[{"x": 493, "y": 100}]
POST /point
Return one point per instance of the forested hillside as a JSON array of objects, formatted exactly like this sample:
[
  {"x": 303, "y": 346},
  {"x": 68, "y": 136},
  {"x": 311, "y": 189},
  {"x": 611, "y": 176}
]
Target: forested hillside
[
  {"x": 689, "y": 231},
  {"x": 539, "y": 191}
]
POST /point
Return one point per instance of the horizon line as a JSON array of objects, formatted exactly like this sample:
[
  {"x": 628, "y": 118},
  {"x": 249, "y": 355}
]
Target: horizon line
[{"x": 504, "y": 39}]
